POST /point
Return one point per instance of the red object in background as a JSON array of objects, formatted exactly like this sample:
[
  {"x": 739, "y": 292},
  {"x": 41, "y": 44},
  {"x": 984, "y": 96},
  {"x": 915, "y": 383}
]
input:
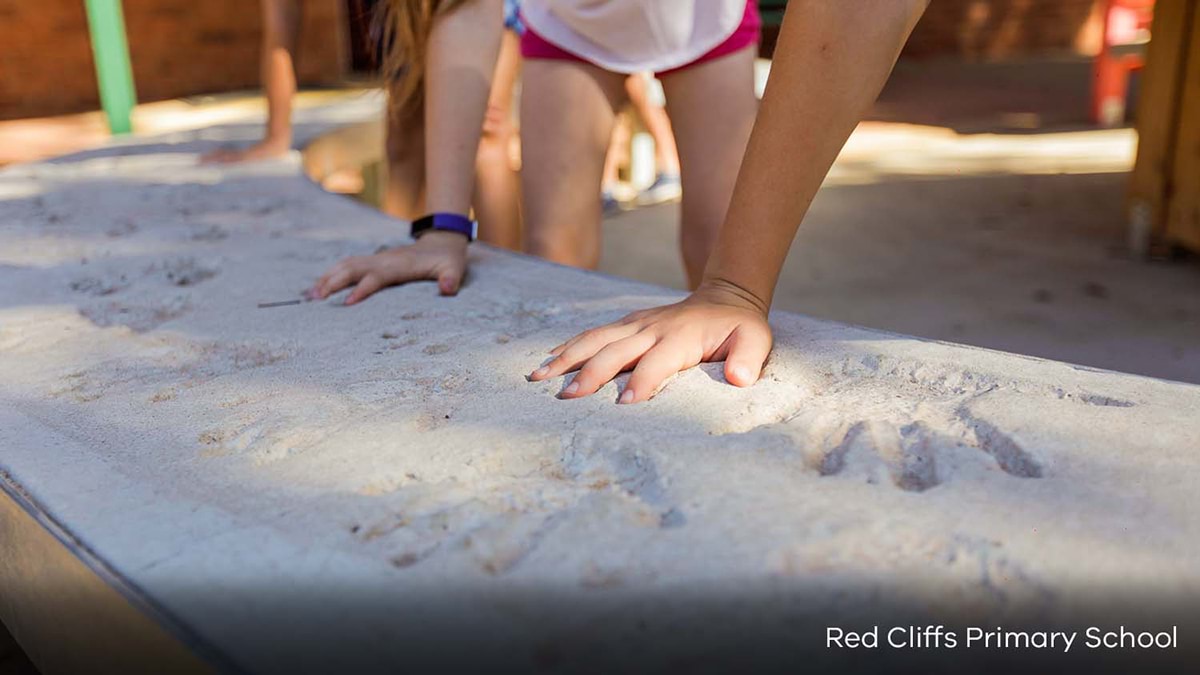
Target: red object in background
[{"x": 1126, "y": 30}]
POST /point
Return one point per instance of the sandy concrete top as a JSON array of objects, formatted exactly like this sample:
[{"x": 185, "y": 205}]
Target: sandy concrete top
[{"x": 285, "y": 480}]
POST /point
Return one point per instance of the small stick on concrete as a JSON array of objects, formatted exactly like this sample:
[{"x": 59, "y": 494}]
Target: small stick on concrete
[{"x": 281, "y": 303}]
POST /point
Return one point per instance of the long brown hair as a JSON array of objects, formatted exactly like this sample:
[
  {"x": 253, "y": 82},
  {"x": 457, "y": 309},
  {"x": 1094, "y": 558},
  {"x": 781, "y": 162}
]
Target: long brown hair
[{"x": 403, "y": 27}]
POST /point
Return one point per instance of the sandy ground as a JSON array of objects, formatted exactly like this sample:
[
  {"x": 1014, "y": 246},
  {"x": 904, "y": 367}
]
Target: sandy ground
[
  {"x": 319, "y": 487},
  {"x": 992, "y": 217}
]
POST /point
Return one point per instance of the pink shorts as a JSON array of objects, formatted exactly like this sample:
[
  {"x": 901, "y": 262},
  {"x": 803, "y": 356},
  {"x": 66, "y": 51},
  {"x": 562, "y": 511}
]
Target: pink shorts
[{"x": 534, "y": 46}]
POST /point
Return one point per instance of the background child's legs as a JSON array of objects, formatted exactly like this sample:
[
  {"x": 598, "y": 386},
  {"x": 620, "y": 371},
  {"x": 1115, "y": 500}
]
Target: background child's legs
[
  {"x": 497, "y": 190},
  {"x": 405, "y": 194},
  {"x": 567, "y": 111},
  {"x": 712, "y": 108},
  {"x": 657, "y": 123}
]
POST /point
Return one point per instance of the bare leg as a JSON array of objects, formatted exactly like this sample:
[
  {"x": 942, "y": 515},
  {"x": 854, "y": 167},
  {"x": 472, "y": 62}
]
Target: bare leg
[
  {"x": 657, "y": 123},
  {"x": 497, "y": 190},
  {"x": 281, "y": 30},
  {"x": 405, "y": 195},
  {"x": 571, "y": 107},
  {"x": 712, "y": 106}
]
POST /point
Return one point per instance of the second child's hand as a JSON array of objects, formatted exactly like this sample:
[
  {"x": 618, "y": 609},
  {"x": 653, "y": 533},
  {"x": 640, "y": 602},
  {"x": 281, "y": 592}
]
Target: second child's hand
[
  {"x": 457, "y": 83},
  {"x": 436, "y": 256}
]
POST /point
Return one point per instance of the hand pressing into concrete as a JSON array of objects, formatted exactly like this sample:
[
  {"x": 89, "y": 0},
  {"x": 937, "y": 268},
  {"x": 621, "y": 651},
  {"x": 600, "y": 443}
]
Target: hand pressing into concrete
[
  {"x": 437, "y": 256},
  {"x": 717, "y": 322}
]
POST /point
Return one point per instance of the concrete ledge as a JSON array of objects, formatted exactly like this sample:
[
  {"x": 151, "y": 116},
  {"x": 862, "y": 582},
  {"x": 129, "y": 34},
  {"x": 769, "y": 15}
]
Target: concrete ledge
[
  {"x": 70, "y": 610},
  {"x": 314, "y": 488}
]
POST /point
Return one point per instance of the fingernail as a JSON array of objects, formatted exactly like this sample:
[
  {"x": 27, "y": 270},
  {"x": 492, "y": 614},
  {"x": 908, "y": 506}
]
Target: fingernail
[
  {"x": 742, "y": 375},
  {"x": 571, "y": 389},
  {"x": 626, "y": 396}
]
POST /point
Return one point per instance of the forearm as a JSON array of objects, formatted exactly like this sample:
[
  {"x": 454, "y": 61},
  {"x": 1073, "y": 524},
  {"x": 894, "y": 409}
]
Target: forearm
[
  {"x": 831, "y": 61},
  {"x": 463, "y": 47},
  {"x": 281, "y": 25}
]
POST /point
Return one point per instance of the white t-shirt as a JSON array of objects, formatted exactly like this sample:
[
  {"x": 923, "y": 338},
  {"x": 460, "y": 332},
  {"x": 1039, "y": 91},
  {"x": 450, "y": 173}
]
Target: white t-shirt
[{"x": 630, "y": 36}]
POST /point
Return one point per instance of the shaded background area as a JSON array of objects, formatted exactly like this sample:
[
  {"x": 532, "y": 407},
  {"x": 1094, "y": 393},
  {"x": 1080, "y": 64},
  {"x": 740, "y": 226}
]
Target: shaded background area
[{"x": 1003, "y": 29}]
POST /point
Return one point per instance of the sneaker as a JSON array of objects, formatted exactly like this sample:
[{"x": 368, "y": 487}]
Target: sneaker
[
  {"x": 609, "y": 204},
  {"x": 665, "y": 188}
]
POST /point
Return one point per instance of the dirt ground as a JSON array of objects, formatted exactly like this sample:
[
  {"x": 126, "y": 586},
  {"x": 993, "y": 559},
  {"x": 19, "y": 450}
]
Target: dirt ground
[{"x": 977, "y": 207}]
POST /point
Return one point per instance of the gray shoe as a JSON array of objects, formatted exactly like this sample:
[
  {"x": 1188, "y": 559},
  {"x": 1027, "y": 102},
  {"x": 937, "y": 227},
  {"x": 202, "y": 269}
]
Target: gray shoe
[
  {"x": 665, "y": 188},
  {"x": 609, "y": 204}
]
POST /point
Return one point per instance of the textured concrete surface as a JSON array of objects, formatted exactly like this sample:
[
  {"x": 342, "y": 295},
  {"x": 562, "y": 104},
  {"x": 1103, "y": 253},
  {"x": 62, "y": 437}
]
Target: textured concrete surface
[{"x": 318, "y": 487}]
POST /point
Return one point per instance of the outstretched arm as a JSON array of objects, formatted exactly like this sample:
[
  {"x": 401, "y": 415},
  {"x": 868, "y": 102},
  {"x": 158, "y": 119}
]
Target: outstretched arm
[
  {"x": 281, "y": 27},
  {"x": 463, "y": 47},
  {"x": 831, "y": 61}
]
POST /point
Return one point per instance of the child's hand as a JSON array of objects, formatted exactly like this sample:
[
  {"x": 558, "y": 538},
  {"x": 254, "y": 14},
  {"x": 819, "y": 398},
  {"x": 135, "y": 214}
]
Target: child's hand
[
  {"x": 440, "y": 256},
  {"x": 264, "y": 149},
  {"x": 717, "y": 322}
]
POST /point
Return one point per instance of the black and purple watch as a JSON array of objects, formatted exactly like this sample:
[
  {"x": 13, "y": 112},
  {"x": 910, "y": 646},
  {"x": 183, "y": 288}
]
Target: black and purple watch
[{"x": 446, "y": 222}]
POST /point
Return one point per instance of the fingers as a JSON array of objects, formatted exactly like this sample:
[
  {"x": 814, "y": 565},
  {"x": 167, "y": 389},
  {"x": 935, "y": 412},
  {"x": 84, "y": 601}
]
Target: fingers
[
  {"x": 631, "y": 318},
  {"x": 449, "y": 281},
  {"x": 559, "y": 349},
  {"x": 314, "y": 293},
  {"x": 219, "y": 156},
  {"x": 564, "y": 346},
  {"x": 749, "y": 347},
  {"x": 366, "y": 286},
  {"x": 339, "y": 277},
  {"x": 582, "y": 349},
  {"x": 661, "y": 362},
  {"x": 591, "y": 332},
  {"x": 393, "y": 266},
  {"x": 608, "y": 362},
  {"x": 228, "y": 156}
]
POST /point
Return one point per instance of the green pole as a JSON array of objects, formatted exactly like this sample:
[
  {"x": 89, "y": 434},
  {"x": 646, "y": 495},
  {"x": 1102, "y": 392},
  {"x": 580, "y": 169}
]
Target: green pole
[{"x": 114, "y": 75}]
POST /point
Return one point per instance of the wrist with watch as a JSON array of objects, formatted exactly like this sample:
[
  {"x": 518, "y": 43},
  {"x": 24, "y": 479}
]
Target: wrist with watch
[{"x": 445, "y": 222}]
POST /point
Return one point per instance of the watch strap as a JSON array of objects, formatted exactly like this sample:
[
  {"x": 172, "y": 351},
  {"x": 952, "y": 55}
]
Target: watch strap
[{"x": 446, "y": 222}]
